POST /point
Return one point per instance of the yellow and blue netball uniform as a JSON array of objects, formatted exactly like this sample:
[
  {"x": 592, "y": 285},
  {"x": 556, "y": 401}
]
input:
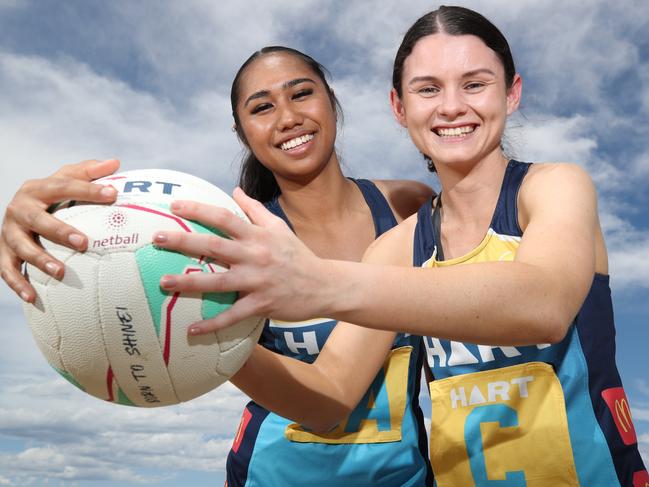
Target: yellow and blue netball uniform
[
  {"x": 542, "y": 415},
  {"x": 381, "y": 443}
]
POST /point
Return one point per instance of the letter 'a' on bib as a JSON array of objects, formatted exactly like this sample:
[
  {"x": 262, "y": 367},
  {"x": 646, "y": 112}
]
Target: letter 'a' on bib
[
  {"x": 507, "y": 425},
  {"x": 379, "y": 415}
]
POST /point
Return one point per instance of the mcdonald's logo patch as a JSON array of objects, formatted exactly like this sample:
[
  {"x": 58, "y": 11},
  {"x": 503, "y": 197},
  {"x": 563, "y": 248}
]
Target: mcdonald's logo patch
[
  {"x": 641, "y": 479},
  {"x": 618, "y": 404}
]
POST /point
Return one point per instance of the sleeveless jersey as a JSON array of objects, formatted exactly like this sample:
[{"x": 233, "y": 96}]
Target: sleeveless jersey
[
  {"x": 381, "y": 443},
  {"x": 542, "y": 415}
]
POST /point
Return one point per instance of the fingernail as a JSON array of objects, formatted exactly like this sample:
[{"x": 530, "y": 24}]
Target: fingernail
[
  {"x": 24, "y": 296},
  {"x": 75, "y": 239},
  {"x": 52, "y": 268},
  {"x": 160, "y": 238},
  {"x": 176, "y": 205},
  {"x": 194, "y": 330},
  {"x": 107, "y": 191},
  {"x": 168, "y": 281}
]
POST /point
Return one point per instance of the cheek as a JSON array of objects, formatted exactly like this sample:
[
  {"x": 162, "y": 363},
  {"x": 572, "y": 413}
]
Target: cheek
[
  {"x": 321, "y": 111},
  {"x": 492, "y": 107},
  {"x": 326, "y": 119},
  {"x": 255, "y": 133},
  {"x": 418, "y": 116}
]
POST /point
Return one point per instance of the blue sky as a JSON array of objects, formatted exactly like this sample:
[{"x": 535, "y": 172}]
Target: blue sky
[{"x": 149, "y": 82}]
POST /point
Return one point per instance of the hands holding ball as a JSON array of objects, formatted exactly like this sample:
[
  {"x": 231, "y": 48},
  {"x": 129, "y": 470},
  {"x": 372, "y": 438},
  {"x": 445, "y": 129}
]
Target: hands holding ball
[
  {"x": 96, "y": 309},
  {"x": 272, "y": 270}
]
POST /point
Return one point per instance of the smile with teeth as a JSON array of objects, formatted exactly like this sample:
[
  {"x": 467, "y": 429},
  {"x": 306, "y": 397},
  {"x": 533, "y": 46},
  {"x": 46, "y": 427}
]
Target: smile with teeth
[
  {"x": 290, "y": 144},
  {"x": 454, "y": 131}
]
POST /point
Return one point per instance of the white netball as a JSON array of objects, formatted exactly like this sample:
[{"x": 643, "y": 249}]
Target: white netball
[{"x": 108, "y": 327}]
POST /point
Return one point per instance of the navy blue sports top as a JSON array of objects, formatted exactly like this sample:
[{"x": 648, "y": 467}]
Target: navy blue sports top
[
  {"x": 539, "y": 415},
  {"x": 381, "y": 443}
]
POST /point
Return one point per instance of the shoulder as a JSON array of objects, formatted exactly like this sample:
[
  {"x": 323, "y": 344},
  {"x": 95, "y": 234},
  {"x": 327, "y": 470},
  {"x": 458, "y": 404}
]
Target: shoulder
[
  {"x": 394, "y": 247},
  {"x": 553, "y": 178},
  {"x": 404, "y": 196},
  {"x": 558, "y": 185}
]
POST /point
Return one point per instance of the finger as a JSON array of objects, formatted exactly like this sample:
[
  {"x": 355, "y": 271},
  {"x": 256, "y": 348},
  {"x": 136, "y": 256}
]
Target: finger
[
  {"x": 10, "y": 265},
  {"x": 89, "y": 170},
  {"x": 212, "y": 216},
  {"x": 201, "y": 245},
  {"x": 47, "y": 226},
  {"x": 23, "y": 246},
  {"x": 199, "y": 282},
  {"x": 242, "y": 309},
  {"x": 256, "y": 211},
  {"x": 56, "y": 189}
]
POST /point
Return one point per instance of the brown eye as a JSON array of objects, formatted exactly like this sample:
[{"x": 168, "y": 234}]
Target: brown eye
[
  {"x": 260, "y": 108},
  {"x": 302, "y": 93}
]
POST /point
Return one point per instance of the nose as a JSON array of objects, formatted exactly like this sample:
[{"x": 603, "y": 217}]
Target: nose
[
  {"x": 288, "y": 117},
  {"x": 452, "y": 104}
]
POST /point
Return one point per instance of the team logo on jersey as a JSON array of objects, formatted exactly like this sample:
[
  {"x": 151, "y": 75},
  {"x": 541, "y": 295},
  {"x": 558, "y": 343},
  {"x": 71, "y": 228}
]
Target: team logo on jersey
[{"x": 618, "y": 404}]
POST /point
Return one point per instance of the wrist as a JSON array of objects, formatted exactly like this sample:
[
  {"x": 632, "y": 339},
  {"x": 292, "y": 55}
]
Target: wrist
[{"x": 335, "y": 288}]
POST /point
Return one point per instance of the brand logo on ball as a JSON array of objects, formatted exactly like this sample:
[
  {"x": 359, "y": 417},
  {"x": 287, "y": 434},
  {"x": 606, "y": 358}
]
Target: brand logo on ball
[
  {"x": 116, "y": 219},
  {"x": 116, "y": 241}
]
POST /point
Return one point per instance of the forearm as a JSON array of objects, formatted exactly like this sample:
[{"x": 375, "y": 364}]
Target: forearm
[
  {"x": 504, "y": 303},
  {"x": 291, "y": 388}
]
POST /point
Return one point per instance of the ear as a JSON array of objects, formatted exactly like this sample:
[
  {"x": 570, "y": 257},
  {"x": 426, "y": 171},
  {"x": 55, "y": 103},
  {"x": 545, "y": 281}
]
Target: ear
[
  {"x": 238, "y": 129},
  {"x": 514, "y": 94},
  {"x": 398, "y": 109}
]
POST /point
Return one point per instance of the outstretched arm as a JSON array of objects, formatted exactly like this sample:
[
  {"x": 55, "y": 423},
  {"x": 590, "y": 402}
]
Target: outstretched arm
[
  {"x": 26, "y": 217},
  {"x": 544, "y": 286}
]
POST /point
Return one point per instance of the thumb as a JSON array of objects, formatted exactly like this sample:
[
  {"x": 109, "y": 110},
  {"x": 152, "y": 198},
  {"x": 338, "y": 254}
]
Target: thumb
[
  {"x": 89, "y": 170},
  {"x": 256, "y": 211}
]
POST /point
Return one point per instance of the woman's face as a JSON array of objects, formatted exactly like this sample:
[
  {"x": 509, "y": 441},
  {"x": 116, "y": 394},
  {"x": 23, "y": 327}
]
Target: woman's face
[
  {"x": 455, "y": 101},
  {"x": 286, "y": 115}
]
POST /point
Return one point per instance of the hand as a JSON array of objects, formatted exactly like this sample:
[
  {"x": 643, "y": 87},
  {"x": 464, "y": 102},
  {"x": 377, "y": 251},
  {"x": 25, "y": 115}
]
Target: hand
[
  {"x": 272, "y": 270},
  {"x": 26, "y": 217}
]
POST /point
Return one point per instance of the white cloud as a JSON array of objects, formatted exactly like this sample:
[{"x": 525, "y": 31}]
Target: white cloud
[
  {"x": 372, "y": 143},
  {"x": 63, "y": 112},
  {"x": 640, "y": 414},
  {"x": 97, "y": 440},
  {"x": 628, "y": 265},
  {"x": 642, "y": 385},
  {"x": 643, "y": 444},
  {"x": 571, "y": 138}
]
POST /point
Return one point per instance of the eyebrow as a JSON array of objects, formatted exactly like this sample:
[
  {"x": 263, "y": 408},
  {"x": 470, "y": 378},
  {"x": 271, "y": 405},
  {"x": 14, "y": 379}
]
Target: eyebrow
[
  {"x": 468, "y": 74},
  {"x": 286, "y": 85}
]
